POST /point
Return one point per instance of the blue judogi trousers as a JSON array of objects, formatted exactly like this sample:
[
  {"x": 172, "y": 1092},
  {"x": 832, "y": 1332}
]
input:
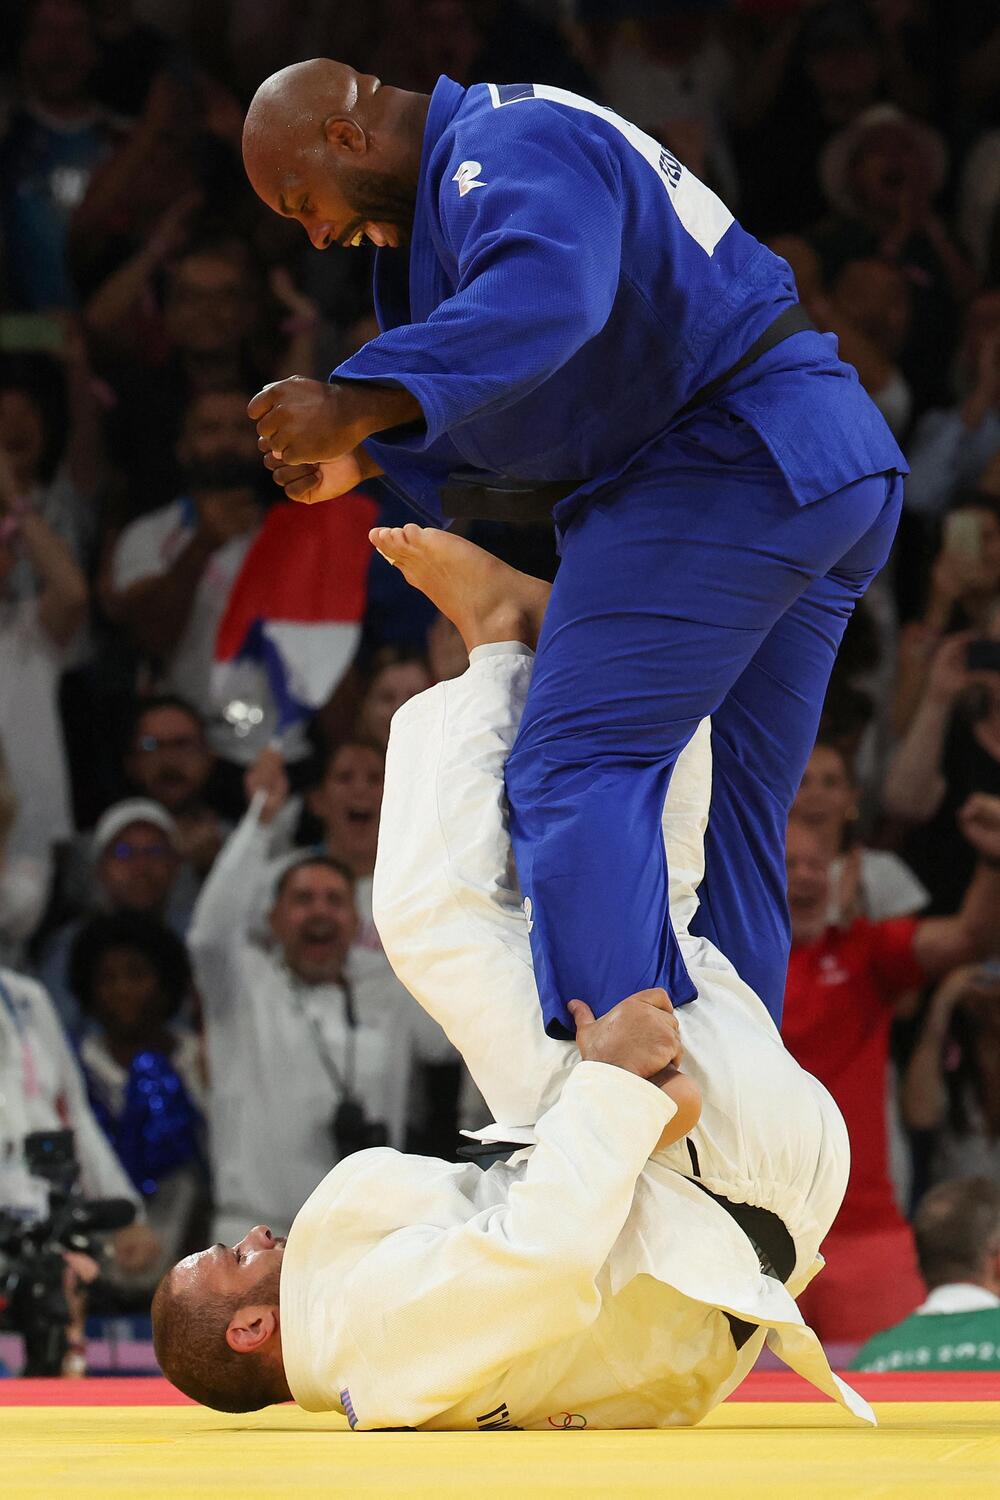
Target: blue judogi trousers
[{"x": 695, "y": 585}]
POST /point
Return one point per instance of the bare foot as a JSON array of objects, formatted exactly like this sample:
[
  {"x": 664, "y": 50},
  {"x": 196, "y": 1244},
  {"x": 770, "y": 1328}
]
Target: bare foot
[{"x": 487, "y": 600}]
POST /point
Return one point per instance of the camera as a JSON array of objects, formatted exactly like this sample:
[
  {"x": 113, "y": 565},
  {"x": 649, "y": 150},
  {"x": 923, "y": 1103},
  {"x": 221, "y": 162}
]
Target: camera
[
  {"x": 32, "y": 1248},
  {"x": 352, "y": 1130}
]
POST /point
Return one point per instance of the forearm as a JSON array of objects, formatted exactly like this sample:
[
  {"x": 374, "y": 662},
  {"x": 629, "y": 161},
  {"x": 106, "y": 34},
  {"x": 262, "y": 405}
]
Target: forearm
[
  {"x": 156, "y": 610},
  {"x": 914, "y": 783},
  {"x": 686, "y": 1097},
  {"x": 63, "y": 595},
  {"x": 943, "y": 943},
  {"x": 106, "y": 314},
  {"x": 980, "y": 911},
  {"x": 960, "y": 275},
  {"x": 227, "y": 901},
  {"x": 86, "y": 452},
  {"x": 377, "y": 408},
  {"x": 923, "y": 1097}
]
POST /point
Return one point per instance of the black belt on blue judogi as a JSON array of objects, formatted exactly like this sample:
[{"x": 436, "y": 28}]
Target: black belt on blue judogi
[{"x": 471, "y": 495}]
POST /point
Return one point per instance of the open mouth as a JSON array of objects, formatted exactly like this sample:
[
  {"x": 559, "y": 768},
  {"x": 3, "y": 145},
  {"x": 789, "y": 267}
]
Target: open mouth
[{"x": 375, "y": 235}]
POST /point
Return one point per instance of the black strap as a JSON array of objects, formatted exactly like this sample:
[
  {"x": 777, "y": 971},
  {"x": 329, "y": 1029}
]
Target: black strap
[
  {"x": 793, "y": 320},
  {"x": 468, "y": 495},
  {"x": 343, "y": 1083}
]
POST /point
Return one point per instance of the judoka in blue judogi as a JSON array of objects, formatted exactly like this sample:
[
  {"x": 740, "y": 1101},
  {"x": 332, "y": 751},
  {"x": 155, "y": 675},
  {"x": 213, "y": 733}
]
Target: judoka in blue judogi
[{"x": 580, "y": 326}]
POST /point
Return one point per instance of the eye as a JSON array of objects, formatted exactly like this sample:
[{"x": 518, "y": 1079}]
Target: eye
[{"x": 305, "y": 207}]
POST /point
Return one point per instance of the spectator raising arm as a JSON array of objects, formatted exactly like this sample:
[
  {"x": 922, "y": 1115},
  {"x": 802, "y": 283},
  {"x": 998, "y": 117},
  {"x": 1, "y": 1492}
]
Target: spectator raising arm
[
  {"x": 62, "y": 598},
  {"x": 924, "y": 1092},
  {"x": 229, "y": 899},
  {"x": 915, "y": 784},
  {"x": 62, "y": 602},
  {"x": 943, "y": 943}
]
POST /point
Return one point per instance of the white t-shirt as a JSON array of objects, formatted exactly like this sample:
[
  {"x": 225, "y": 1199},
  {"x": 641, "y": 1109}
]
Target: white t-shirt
[
  {"x": 889, "y": 887},
  {"x": 241, "y": 721},
  {"x": 30, "y": 731}
]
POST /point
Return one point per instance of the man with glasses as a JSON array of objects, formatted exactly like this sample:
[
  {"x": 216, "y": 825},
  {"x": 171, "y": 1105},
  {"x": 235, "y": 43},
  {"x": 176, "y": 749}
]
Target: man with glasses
[{"x": 169, "y": 760}]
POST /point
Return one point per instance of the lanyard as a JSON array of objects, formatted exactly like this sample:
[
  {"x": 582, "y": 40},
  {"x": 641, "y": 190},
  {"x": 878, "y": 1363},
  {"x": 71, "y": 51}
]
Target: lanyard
[
  {"x": 343, "y": 1084},
  {"x": 29, "y": 1070}
]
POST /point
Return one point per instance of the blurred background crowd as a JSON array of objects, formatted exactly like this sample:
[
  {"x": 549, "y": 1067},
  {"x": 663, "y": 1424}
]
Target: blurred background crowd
[{"x": 191, "y": 979}]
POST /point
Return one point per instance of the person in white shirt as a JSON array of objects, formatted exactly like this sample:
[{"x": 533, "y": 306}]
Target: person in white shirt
[
  {"x": 596, "y": 1273},
  {"x": 347, "y": 800},
  {"x": 37, "y": 634},
  {"x": 303, "y": 1031},
  {"x": 172, "y": 572},
  {"x": 873, "y": 883},
  {"x": 42, "y": 1088}
]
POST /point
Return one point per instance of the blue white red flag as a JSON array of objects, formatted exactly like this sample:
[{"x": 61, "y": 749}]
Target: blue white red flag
[{"x": 296, "y": 606}]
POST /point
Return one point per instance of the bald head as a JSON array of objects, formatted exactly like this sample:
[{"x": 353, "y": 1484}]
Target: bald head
[
  {"x": 335, "y": 150},
  {"x": 290, "y": 107}
]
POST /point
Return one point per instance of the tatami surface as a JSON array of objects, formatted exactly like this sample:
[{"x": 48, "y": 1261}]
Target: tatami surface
[{"x": 754, "y": 1447}]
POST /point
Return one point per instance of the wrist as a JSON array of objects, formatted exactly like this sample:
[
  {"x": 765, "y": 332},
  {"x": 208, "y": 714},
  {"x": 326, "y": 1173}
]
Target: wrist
[{"x": 374, "y": 408}]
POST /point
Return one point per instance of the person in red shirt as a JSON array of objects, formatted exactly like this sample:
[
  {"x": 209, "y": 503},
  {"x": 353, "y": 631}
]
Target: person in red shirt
[{"x": 845, "y": 985}]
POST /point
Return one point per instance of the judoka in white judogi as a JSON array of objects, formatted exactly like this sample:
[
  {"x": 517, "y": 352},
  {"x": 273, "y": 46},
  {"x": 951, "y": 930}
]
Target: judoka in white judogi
[{"x": 581, "y": 1283}]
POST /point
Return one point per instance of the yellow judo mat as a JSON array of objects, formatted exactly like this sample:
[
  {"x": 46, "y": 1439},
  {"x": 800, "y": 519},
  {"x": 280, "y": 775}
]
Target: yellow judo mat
[{"x": 770, "y": 1450}]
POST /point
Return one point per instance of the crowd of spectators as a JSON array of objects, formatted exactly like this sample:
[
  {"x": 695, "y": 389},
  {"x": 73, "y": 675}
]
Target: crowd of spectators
[{"x": 186, "y": 935}]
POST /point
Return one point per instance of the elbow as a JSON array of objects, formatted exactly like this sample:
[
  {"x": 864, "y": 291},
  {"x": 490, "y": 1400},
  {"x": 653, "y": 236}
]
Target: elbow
[{"x": 978, "y": 937}]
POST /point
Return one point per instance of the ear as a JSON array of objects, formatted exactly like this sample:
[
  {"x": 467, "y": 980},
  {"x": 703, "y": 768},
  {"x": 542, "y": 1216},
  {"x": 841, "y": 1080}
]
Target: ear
[
  {"x": 345, "y": 135},
  {"x": 250, "y": 1328}
]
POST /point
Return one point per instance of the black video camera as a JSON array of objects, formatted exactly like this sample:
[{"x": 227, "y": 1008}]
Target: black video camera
[{"x": 32, "y": 1266}]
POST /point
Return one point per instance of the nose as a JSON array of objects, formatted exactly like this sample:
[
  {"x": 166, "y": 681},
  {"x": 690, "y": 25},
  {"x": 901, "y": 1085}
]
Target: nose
[
  {"x": 259, "y": 1238},
  {"x": 320, "y": 236}
]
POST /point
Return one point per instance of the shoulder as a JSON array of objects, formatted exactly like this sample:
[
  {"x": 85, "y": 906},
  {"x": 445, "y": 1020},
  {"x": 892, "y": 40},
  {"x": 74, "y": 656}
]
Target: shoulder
[
  {"x": 891, "y": 888},
  {"x": 26, "y": 994},
  {"x": 530, "y": 130},
  {"x": 147, "y": 534}
]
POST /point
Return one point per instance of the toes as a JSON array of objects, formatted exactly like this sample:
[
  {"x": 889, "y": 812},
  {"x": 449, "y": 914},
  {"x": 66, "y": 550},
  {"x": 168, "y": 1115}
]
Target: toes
[{"x": 412, "y": 533}]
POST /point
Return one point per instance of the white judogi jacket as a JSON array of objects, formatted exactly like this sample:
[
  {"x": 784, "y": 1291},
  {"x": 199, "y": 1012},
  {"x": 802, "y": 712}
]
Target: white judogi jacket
[{"x": 580, "y": 1283}]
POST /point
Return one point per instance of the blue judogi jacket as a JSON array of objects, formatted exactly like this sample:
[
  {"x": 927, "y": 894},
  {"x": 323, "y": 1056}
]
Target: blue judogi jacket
[{"x": 569, "y": 287}]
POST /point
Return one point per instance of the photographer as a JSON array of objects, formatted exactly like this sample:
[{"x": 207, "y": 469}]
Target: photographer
[
  {"x": 950, "y": 752},
  {"x": 312, "y": 1043},
  {"x": 41, "y": 1089}
]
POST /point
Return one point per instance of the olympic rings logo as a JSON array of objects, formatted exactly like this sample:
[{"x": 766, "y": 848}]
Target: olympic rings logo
[{"x": 566, "y": 1419}]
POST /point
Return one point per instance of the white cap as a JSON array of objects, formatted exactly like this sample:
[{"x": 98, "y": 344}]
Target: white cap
[{"x": 133, "y": 810}]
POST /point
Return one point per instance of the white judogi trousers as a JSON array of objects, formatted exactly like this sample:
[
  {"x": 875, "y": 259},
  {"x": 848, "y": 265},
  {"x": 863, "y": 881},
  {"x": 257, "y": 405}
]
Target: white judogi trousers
[{"x": 449, "y": 913}]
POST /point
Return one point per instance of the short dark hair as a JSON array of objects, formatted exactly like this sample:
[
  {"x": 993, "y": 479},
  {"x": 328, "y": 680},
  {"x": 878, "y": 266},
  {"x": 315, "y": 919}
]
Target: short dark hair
[
  {"x": 313, "y": 857},
  {"x": 956, "y": 1227},
  {"x": 189, "y": 1339},
  {"x": 827, "y": 741},
  {"x": 136, "y": 930},
  {"x": 351, "y": 742},
  {"x": 144, "y": 706}
]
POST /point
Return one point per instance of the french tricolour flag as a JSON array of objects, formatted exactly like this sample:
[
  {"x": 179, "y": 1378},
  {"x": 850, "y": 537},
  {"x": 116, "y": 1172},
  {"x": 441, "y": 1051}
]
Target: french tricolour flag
[{"x": 297, "y": 604}]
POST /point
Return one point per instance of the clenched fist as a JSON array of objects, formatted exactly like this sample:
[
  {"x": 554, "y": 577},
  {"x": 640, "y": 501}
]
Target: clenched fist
[{"x": 640, "y": 1034}]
